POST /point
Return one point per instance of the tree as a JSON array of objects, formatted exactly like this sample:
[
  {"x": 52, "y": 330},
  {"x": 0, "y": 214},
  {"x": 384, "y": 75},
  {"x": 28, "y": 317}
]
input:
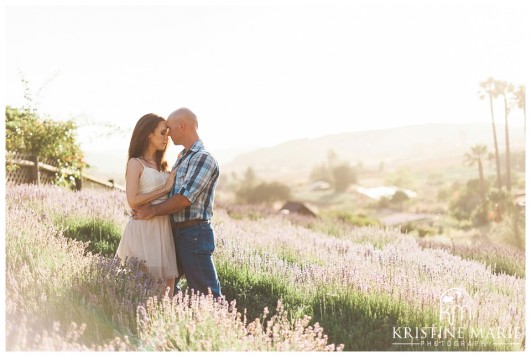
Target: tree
[
  {"x": 46, "y": 139},
  {"x": 332, "y": 158},
  {"x": 339, "y": 175},
  {"x": 399, "y": 198},
  {"x": 401, "y": 178},
  {"x": 519, "y": 94},
  {"x": 343, "y": 175},
  {"x": 465, "y": 200},
  {"x": 505, "y": 89},
  {"x": 250, "y": 176},
  {"x": 500, "y": 200},
  {"x": 475, "y": 156},
  {"x": 488, "y": 89}
]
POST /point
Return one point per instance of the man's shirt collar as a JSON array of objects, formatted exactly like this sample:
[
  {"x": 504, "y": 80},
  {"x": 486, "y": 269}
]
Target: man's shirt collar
[{"x": 198, "y": 145}]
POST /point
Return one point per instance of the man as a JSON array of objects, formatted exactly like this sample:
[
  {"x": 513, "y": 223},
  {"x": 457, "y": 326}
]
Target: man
[{"x": 190, "y": 205}]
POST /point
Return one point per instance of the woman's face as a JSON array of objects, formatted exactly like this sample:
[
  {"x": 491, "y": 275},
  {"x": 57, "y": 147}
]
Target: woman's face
[{"x": 159, "y": 138}]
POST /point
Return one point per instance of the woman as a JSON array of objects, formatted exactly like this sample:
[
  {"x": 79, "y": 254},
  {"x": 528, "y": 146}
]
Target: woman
[{"x": 146, "y": 180}]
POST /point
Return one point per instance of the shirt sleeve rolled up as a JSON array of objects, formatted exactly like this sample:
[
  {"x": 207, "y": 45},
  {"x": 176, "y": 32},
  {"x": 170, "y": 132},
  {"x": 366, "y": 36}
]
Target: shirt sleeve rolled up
[{"x": 201, "y": 170}]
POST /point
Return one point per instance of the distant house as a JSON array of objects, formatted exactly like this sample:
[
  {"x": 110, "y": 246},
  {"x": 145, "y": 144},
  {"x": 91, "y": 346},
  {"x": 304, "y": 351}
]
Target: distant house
[
  {"x": 519, "y": 199},
  {"x": 298, "y": 208},
  {"x": 320, "y": 186},
  {"x": 384, "y": 191}
]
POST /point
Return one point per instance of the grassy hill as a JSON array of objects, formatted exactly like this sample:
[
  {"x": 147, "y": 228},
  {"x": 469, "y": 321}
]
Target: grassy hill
[
  {"x": 359, "y": 284},
  {"x": 427, "y": 145}
]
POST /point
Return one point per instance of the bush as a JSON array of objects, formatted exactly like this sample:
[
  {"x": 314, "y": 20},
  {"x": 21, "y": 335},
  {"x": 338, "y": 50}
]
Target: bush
[
  {"x": 263, "y": 193},
  {"x": 511, "y": 230},
  {"x": 422, "y": 230},
  {"x": 399, "y": 197},
  {"x": 353, "y": 219},
  {"x": 343, "y": 175},
  {"x": 52, "y": 141},
  {"x": 102, "y": 235},
  {"x": 480, "y": 215}
]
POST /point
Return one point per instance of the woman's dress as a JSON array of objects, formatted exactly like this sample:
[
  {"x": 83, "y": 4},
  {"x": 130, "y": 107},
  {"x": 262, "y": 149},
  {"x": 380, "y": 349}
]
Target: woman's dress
[{"x": 151, "y": 240}]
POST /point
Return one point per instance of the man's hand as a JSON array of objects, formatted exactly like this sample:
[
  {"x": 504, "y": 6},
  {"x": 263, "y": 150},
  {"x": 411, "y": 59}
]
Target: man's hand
[{"x": 143, "y": 212}]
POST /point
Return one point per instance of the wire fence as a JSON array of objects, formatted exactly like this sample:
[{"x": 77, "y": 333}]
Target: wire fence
[{"x": 27, "y": 169}]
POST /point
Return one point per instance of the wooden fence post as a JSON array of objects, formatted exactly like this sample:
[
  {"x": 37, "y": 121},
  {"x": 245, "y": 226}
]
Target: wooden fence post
[
  {"x": 79, "y": 181},
  {"x": 35, "y": 176}
]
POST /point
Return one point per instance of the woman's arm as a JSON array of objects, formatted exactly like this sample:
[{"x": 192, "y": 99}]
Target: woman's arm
[{"x": 132, "y": 185}]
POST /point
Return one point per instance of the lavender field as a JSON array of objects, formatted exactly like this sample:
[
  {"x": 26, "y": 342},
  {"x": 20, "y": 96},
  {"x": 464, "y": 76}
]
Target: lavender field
[{"x": 288, "y": 285}]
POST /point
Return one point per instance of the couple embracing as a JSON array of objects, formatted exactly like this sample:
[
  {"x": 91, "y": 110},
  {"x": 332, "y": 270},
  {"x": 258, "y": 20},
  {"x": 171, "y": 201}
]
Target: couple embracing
[{"x": 170, "y": 228}]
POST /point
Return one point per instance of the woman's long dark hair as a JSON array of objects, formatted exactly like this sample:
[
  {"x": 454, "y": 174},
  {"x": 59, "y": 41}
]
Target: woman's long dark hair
[{"x": 140, "y": 142}]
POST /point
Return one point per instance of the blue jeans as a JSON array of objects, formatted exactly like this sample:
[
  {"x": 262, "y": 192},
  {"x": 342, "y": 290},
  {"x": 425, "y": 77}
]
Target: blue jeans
[{"x": 194, "y": 246}]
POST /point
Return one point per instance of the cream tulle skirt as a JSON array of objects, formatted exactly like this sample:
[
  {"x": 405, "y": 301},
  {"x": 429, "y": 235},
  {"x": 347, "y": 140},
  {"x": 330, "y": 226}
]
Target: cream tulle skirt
[{"x": 152, "y": 241}]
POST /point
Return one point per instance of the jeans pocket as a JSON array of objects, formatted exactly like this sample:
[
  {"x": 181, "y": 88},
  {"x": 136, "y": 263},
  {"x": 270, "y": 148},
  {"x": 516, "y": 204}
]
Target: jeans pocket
[
  {"x": 188, "y": 239},
  {"x": 209, "y": 246},
  {"x": 206, "y": 241}
]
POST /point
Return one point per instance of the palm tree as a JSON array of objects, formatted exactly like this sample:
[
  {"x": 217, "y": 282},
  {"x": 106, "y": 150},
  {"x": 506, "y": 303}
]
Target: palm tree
[
  {"x": 505, "y": 89},
  {"x": 519, "y": 95},
  {"x": 488, "y": 88},
  {"x": 475, "y": 156}
]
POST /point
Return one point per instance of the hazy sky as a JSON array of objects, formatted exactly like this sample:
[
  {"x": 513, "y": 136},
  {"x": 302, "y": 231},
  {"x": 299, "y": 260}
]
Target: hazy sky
[{"x": 264, "y": 73}]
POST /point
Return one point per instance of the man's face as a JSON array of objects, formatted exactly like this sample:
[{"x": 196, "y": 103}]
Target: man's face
[{"x": 175, "y": 130}]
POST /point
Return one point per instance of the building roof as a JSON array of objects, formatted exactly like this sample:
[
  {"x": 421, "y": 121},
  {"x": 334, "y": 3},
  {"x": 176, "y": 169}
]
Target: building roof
[{"x": 297, "y": 207}]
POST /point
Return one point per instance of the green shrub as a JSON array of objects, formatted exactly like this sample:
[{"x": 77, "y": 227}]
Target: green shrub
[
  {"x": 53, "y": 141},
  {"x": 358, "y": 220},
  {"x": 102, "y": 235},
  {"x": 267, "y": 192},
  {"x": 480, "y": 214}
]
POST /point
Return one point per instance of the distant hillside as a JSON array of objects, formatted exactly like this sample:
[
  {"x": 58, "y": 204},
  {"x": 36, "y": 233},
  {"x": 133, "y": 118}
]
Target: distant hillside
[
  {"x": 420, "y": 145},
  {"x": 111, "y": 164},
  {"x": 427, "y": 145}
]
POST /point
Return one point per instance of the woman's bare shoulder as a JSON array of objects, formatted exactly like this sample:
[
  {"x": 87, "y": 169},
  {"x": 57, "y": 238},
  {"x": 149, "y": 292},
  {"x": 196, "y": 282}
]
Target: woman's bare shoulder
[{"x": 134, "y": 166}]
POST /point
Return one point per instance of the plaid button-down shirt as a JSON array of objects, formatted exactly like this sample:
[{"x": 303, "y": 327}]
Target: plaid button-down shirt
[{"x": 196, "y": 179}]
